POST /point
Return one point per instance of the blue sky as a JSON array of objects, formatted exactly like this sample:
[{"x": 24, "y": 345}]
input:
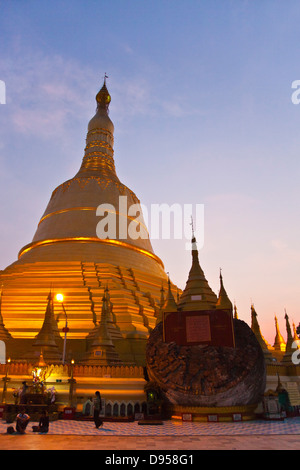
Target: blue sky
[{"x": 201, "y": 103}]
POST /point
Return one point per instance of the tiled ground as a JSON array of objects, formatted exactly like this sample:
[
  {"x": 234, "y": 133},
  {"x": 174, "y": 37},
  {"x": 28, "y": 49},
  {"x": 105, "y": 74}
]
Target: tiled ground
[
  {"x": 78, "y": 435},
  {"x": 289, "y": 426}
]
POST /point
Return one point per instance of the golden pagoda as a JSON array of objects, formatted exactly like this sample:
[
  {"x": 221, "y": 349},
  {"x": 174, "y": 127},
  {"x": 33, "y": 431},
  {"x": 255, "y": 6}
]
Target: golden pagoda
[
  {"x": 67, "y": 254},
  {"x": 279, "y": 343}
]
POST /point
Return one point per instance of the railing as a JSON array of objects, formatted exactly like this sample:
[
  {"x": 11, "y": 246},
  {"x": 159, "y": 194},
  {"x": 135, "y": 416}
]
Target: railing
[
  {"x": 23, "y": 368},
  {"x": 108, "y": 371}
]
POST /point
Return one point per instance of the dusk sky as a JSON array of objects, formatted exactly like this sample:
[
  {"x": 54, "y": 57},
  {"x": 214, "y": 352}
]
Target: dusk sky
[{"x": 201, "y": 104}]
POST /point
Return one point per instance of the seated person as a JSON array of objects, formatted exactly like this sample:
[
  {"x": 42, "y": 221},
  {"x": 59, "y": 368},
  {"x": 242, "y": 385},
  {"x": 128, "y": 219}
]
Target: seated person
[
  {"x": 22, "y": 421},
  {"x": 43, "y": 423}
]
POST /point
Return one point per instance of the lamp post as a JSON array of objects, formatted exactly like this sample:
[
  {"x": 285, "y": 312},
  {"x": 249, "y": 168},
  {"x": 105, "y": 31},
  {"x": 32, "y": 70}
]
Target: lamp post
[
  {"x": 5, "y": 380},
  {"x": 72, "y": 382},
  {"x": 60, "y": 298}
]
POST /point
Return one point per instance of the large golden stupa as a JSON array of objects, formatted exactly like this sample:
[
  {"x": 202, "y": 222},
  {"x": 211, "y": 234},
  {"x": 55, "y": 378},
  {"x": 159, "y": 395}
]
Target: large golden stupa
[{"x": 66, "y": 255}]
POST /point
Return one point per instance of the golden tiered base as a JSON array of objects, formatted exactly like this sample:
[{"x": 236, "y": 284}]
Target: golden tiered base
[{"x": 134, "y": 295}]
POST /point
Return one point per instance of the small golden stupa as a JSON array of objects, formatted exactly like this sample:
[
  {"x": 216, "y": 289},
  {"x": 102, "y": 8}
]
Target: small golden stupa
[{"x": 66, "y": 255}]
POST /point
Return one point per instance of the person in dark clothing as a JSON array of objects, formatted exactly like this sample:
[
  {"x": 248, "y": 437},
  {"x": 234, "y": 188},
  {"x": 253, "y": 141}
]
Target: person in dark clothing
[
  {"x": 43, "y": 423},
  {"x": 97, "y": 409},
  {"x": 22, "y": 421},
  {"x": 23, "y": 393}
]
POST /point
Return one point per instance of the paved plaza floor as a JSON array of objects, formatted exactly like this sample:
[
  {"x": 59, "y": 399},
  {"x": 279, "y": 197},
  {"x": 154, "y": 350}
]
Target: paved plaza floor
[{"x": 171, "y": 435}]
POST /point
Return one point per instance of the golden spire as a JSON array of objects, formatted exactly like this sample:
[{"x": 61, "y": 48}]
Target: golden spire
[
  {"x": 113, "y": 330},
  {"x": 235, "y": 312},
  {"x": 279, "y": 343},
  {"x": 103, "y": 98},
  {"x": 41, "y": 362},
  {"x": 289, "y": 350},
  {"x": 99, "y": 151},
  {"x": 169, "y": 305},
  {"x": 102, "y": 350},
  {"x": 162, "y": 296},
  {"x": 223, "y": 299},
  {"x": 256, "y": 330},
  {"x": 103, "y": 336},
  {"x": 46, "y": 338},
  {"x": 197, "y": 294}
]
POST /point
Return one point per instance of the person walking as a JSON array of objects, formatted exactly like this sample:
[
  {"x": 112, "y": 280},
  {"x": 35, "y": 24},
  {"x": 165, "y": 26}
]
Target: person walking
[{"x": 97, "y": 409}]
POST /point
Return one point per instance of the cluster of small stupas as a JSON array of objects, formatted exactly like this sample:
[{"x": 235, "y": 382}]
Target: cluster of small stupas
[
  {"x": 281, "y": 350},
  {"x": 198, "y": 288}
]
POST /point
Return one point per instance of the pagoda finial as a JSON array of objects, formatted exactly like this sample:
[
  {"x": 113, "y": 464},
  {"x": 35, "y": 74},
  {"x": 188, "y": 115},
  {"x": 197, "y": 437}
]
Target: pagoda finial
[
  {"x": 194, "y": 243},
  {"x": 103, "y": 98},
  {"x": 192, "y": 224}
]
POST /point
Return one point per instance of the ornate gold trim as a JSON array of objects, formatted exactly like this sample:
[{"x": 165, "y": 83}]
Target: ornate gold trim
[
  {"x": 62, "y": 211},
  {"x": 84, "y": 180},
  {"x": 97, "y": 153},
  {"x": 99, "y": 143},
  {"x": 91, "y": 161},
  {"x": 32, "y": 245},
  {"x": 100, "y": 130}
]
